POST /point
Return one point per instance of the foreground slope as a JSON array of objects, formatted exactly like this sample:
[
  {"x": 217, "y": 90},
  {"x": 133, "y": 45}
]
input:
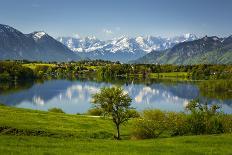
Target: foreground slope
[{"x": 37, "y": 132}]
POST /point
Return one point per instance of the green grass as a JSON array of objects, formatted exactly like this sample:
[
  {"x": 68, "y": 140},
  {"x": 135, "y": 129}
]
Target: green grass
[
  {"x": 214, "y": 144},
  {"x": 37, "y": 132},
  {"x": 55, "y": 124},
  {"x": 169, "y": 75},
  {"x": 33, "y": 65}
]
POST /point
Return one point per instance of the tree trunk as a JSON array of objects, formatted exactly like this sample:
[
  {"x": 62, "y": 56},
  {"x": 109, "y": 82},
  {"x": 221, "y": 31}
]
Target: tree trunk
[{"x": 118, "y": 132}]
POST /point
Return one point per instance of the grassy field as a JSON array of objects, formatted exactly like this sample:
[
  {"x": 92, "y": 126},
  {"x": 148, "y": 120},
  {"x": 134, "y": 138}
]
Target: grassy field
[
  {"x": 35, "y": 132},
  {"x": 169, "y": 75},
  {"x": 217, "y": 144},
  {"x": 33, "y": 65}
]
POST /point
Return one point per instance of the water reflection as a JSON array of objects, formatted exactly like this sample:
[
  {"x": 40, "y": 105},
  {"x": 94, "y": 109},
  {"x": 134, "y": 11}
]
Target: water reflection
[{"x": 75, "y": 96}]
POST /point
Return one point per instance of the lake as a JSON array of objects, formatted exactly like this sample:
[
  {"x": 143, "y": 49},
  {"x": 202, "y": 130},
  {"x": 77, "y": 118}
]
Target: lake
[{"x": 75, "y": 96}]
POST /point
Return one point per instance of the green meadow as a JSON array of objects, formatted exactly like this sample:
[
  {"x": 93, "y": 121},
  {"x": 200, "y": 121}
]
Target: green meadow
[
  {"x": 181, "y": 75},
  {"x": 24, "y": 131}
]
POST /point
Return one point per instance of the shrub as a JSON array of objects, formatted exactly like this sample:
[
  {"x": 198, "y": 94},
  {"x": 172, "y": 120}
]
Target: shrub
[
  {"x": 227, "y": 123},
  {"x": 5, "y": 76},
  {"x": 151, "y": 124},
  {"x": 204, "y": 119},
  {"x": 95, "y": 112},
  {"x": 1, "y": 104},
  {"x": 201, "y": 119},
  {"x": 56, "y": 110},
  {"x": 133, "y": 113},
  {"x": 177, "y": 123}
]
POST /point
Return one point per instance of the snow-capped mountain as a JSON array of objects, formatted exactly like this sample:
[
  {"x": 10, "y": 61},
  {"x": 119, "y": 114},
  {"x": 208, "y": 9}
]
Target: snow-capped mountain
[
  {"x": 81, "y": 44},
  {"x": 206, "y": 50},
  {"x": 34, "y": 46},
  {"x": 123, "y": 48}
]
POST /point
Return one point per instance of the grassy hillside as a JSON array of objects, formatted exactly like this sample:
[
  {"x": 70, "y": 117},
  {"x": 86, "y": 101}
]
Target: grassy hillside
[
  {"x": 34, "y": 132},
  {"x": 216, "y": 144},
  {"x": 39, "y": 123}
]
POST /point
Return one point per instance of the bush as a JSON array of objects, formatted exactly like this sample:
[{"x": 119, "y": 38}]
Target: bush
[
  {"x": 177, "y": 123},
  {"x": 5, "y": 77},
  {"x": 95, "y": 112},
  {"x": 133, "y": 113},
  {"x": 204, "y": 119},
  {"x": 227, "y": 123},
  {"x": 56, "y": 110},
  {"x": 1, "y": 104},
  {"x": 151, "y": 124}
]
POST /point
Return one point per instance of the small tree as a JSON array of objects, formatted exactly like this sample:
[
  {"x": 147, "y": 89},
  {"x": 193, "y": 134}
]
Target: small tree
[
  {"x": 114, "y": 103},
  {"x": 204, "y": 119}
]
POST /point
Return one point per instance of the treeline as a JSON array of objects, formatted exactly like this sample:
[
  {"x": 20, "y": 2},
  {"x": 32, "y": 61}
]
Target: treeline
[
  {"x": 24, "y": 69},
  {"x": 10, "y": 71},
  {"x": 194, "y": 71}
]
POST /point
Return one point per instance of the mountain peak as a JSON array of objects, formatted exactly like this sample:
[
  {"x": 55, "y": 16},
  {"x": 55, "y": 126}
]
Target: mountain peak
[
  {"x": 6, "y": 28},
  {"x": 189, "y": 35},
  {"x": 89, "y": 38},
  {"x": 34, "y": 46},
  {"x": 123, "y": 47},
  {"x": 38, "y": 35}
]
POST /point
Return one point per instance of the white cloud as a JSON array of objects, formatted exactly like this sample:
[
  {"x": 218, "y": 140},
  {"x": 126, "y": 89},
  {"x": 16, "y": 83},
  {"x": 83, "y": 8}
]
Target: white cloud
[{"x": 107, "y": 31}]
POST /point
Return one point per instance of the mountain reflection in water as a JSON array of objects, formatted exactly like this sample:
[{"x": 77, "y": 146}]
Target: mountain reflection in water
[{"x": 75, "y": 96}]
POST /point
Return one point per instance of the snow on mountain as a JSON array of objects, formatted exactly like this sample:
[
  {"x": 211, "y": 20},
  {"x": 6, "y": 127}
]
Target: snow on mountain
[
  {"x": 86, "y": 44},
  {"x": 94, "y": 48},
  {"x": 39, "y": 46},
  {"x": 38, "y": 35}
]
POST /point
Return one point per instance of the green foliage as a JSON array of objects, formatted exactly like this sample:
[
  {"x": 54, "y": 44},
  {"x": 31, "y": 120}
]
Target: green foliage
[
  {"x": 95, "y": 112},
  {"x": 151, "y": 125},
  {"x": 1, "y": 104},
  {"x": 133, "y": 113},
  {"x": 114, "y": 103},
  {"x": 56, "y": 110},
  {"x": 204, "y": 119},
  {"x": 219, "y": 89},
  {"x": 14, "y": 71},
  {"x": 227, "y": 123},
  {"x": 106, "y": 70},
  {"x": 177, "y": 123}
]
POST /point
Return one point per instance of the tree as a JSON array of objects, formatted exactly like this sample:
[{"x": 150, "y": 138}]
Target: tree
[
  {"x": 115, "y": 103},
  {"x": 204, "y": 119}
]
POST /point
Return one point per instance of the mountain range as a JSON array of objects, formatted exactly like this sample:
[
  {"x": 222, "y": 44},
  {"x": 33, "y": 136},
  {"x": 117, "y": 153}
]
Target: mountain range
[
  {"x": 34, "y": 46},
  {"x": 123, "y": 48},
  {"x": 207, "y": 50},
  {"x": 184, "y": 49}
]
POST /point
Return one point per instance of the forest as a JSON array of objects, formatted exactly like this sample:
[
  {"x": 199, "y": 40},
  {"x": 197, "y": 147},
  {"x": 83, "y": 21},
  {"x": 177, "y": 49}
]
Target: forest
[{"x": 22, "y": 70}]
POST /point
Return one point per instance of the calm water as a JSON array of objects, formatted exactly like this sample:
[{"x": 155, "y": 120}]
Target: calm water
[{"x": 75, "y": 96}]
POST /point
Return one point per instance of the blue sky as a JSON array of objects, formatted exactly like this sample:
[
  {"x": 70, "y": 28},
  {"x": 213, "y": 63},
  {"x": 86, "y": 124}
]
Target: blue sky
[{"x": 106, "y": 19}]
